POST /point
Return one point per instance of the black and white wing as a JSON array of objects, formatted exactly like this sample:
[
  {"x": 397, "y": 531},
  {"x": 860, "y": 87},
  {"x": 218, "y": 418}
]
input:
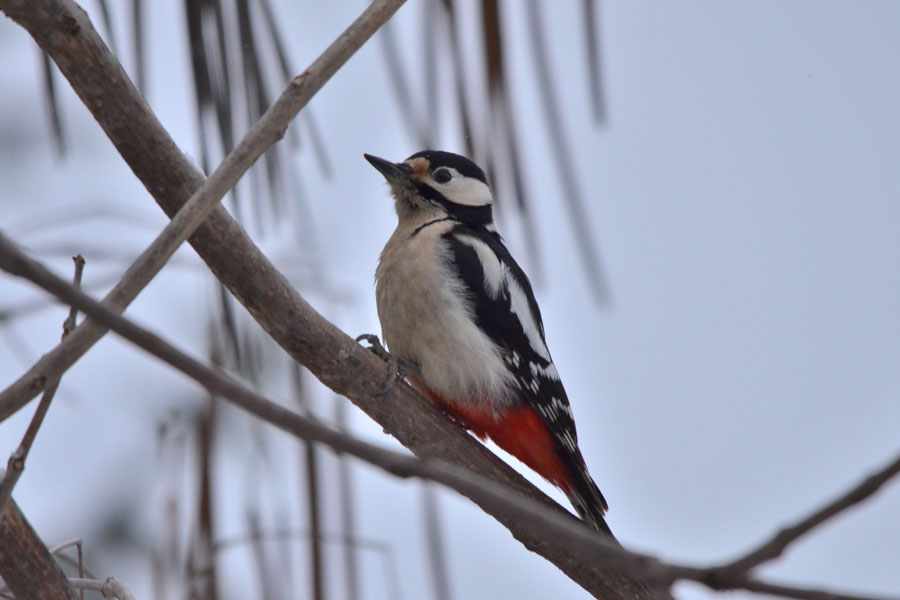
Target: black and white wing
[{"x": 505, "y": 309}]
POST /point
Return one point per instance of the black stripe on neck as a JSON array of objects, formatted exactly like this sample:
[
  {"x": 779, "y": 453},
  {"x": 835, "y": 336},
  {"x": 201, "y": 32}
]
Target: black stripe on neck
[{"x": 424, "y": 225}]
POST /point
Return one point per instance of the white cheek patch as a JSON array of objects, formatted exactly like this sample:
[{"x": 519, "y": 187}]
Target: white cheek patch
[{"x": 466, "y": 191}]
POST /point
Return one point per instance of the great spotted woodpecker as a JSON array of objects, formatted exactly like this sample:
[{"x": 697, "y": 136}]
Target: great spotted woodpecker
[{"x": 453, "y": 302}]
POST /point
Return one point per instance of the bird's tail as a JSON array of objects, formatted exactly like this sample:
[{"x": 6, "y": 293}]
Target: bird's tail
[{"x": 585, "y": 496}]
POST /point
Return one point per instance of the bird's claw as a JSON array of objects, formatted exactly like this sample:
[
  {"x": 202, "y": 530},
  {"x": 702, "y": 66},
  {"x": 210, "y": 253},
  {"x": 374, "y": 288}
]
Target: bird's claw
[
  {"x": 399, "y": 368},
  {"x": 375, "y": 346}
]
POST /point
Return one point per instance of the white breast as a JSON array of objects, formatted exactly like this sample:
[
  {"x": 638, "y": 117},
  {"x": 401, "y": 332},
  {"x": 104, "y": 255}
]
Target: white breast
[{"x": 425, "y": 319}]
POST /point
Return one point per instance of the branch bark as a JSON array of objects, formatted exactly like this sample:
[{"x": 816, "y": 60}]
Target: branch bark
[{"x": 25, "y": 563}]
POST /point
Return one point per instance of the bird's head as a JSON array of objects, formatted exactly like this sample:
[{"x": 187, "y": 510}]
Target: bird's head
[{"x": 432, "y": 183}]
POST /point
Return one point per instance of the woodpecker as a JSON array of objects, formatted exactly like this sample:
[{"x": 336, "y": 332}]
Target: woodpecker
[{"x": 453, "y": 302}]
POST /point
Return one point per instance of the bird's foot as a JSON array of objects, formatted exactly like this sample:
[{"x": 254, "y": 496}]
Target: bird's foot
[{"x": 399, "y": 367}]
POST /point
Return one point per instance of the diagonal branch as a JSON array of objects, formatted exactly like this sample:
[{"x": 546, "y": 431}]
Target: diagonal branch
[
  {"x": 268, "y": 130},
  {"x": 775, "y": 547},
  {"x": 549, "y": 523},
  {"x": 554, "y": 527}
]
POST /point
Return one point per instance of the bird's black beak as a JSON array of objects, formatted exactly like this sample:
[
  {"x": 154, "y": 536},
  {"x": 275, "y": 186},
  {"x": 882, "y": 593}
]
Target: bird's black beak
[{"x": 391, "y": 171}]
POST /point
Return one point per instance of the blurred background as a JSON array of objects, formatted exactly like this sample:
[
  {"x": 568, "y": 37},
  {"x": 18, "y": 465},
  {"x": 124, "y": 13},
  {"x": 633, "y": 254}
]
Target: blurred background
[{"x": 705, "y": 195}]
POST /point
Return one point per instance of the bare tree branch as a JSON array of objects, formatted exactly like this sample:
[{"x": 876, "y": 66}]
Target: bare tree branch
[
  {"x": 45, "y": 17},
  {"x": 775, "y": 547},
  {"x": 16, "y": 464},
  {"x": 554, "y": 527}
]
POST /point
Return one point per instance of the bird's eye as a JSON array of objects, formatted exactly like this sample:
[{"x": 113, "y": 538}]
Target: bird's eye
[{"x": 442, "y": 176}]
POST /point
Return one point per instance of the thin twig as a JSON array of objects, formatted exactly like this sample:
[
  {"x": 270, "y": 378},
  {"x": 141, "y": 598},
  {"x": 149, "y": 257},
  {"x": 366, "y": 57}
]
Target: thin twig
[
  {"x": 547, "y": 523},
  {"x": 67, "y": 544},
  {"x": 79, "y": 551},
  {"x": 110, "y": 587},
  {"x": 268, "y": 130},
  {"x": 777, "y": 544},
  {"x": 16, "y": 464}
]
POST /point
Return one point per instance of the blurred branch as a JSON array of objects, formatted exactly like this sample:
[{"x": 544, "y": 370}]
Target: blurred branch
[
  {"x": 592, "y": 49},
  {"x": 137, "y": 37},
  {"x": 106, "y": 17},
  {"x": 561, "y": 535},
  {"x": 26, "y": 565},
  {"x": 273, "y": 33},
  {"x": 53, "y": 107},
  {"x": 506, "y": 148},
  {"x": 565, "y": 164},
  {"x": 270, "y": 587},
  {"x": 311, "y": 473},
  {"x": 410, "y": 116},
  {"x": 434, "y": 537},
  {"x": 348, "y": 518},
  {"x": 16, "y": 464},
  {"x": 64, "y": 31},
  {"x": 468, "y": 131},
  {"x": 204, "y": 584}
]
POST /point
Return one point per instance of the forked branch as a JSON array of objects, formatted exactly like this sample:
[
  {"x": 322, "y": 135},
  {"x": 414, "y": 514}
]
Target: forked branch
[{"x": 16, "y": 464}]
